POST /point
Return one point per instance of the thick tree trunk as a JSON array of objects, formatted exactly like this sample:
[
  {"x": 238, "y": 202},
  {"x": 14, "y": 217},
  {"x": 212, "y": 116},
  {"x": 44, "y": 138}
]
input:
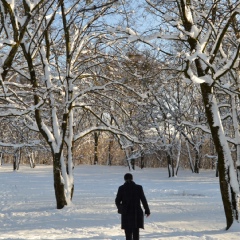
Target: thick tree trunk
[
  {"x": 206, "y": 90},
  {"x": 58, "y": 183},
  {"x": 197, "y": 159},
  {"x": 16, "y": 159}
]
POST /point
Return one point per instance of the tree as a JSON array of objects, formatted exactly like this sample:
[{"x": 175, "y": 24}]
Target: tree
[
  {"x": 60, "y": 50},
  {"x": 210, "y": 57}
]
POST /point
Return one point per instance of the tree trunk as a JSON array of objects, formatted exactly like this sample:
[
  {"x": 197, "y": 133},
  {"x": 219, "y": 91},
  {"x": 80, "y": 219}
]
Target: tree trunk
[
  {"x": 142, "y": 160},
  {"x": 96, "y": 136},
  {"x": 236, "y": 133},
  {"x": 189, "y": 157},
  {"x": 225, "y": 163},
  {"x": 132, "y": 161},
  {"x": 58, "y": 183},
  {"x": 216, "y": 165},
  {"x": 31, "y": 159},
  {"x": 224, "y": 175},
  {"x": 169, "y": 170},
  {"x": 170, "y": 164},
  {"x": 178, "y": 155},
  {"x": 238, "y": 163},
  {"x": 16, "y": 159},
  {"x": 133, "y": 164},
  {"x": 1, "y": 158},
  {"x": 128, "y": 160},
  {"x": 110, "y": 157},
  {"x": 196, "y": 165}
]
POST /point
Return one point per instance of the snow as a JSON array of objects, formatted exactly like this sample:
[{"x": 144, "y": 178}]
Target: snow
[
  {"x": 194, "y": 78},
  {"x": 11, "y": 3},
  {"x": 30, "y": 5},
  {"x": 186, "y": 207}
]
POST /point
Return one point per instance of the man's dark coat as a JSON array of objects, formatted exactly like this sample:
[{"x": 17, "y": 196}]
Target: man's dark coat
[{"x": 128, "y": 203}]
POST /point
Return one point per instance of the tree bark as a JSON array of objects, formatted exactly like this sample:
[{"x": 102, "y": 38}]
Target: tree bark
[
  {"x": 189, "y": 157},
  {"x": 197, "y": 160},
  {"x": 206, "y": 90},
  {"x": 96, "y": 137},
  {"x": 1, "y": 158},
  {"x": 211, "y": 111},
  {"x": 178, "y": 155},
  {"x": 142, "y": 160},
  {"x": 58, "y": 181},
  {"x": 170, "y": 164},
  {"x": 110, "y": 157},
  {"x": 16, "y": 159}
]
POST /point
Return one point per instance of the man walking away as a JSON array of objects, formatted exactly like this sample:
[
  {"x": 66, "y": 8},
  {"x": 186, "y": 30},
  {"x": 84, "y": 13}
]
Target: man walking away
[{"x": 128, "y": 201}]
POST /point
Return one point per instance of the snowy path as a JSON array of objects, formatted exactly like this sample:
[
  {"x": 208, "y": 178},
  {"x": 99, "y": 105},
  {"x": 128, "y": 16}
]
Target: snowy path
[{"x": 186, "y": 207}]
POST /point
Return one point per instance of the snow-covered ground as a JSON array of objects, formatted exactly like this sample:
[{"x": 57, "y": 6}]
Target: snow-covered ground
[{"x": 185, "y": 207}]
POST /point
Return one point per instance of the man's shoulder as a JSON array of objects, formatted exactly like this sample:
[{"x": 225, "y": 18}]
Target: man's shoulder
[
  {"x": 139, "y": 186},
  {"x": 121, "y": 187},
  {"x": 136, "y": 186}
]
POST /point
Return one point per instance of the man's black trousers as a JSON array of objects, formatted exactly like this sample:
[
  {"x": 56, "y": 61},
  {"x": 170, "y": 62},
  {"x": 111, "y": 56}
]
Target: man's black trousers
[{"x": 132, "y": 234}]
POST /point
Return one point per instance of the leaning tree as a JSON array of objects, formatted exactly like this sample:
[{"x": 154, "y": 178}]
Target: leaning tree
[{"x": 209, "y": 34}]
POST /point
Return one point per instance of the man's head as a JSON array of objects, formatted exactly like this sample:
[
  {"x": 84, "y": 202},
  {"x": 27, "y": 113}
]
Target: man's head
[{"x": 128, "y": 177}]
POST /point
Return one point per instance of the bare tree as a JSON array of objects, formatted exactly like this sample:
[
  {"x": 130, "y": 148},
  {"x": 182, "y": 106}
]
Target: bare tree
[
  {"x": 60, "y": 50},
  {"x": 210, "y": 57}
]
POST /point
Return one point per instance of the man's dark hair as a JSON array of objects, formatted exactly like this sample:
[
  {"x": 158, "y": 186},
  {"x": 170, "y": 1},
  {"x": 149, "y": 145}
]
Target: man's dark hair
[{"x": 128, "y": 177}]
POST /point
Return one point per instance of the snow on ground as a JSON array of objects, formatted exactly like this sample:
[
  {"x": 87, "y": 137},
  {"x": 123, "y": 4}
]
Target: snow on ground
[{"x": 186, "y": 207}]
